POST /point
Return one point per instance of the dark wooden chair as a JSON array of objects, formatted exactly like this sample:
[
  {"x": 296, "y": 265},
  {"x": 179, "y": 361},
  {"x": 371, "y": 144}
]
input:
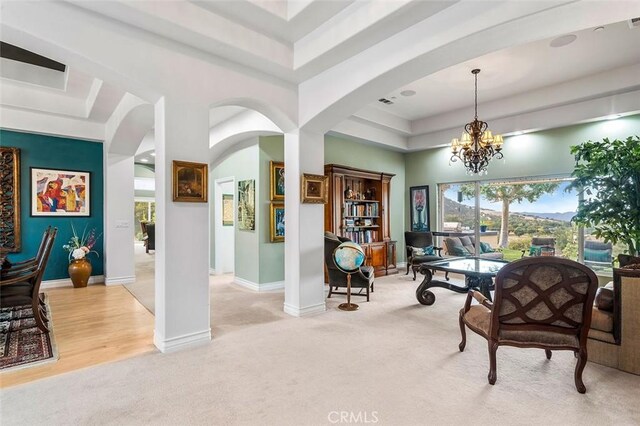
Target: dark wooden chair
[
  {"x": 539, "y": 302},
  {"x": 361, "y": 280},
  {"x": 23, "y": 288},
  {"x": 148, "y": 235},
  {"x": 13, "y": 268},
  {"x": 420, "y": 240}
]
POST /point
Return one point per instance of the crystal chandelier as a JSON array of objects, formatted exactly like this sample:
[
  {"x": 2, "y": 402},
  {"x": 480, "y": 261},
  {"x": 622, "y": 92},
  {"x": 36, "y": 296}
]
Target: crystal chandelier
[{"x": 477, "y": 145}]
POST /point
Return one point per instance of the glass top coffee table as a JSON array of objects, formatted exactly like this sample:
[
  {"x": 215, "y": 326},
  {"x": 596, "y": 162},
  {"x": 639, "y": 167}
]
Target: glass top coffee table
[{"x": 478, "y": 273}]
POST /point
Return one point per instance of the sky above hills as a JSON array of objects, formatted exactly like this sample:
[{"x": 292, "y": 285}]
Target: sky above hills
[{"x": 559, "y": 201}]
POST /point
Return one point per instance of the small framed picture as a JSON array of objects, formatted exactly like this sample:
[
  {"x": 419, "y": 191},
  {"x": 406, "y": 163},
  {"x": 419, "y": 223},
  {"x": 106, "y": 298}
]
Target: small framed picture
[
  {"x": 60, "y": 192},
  {"x": 276, "y": 217},
  {"x": 315, "y": 189},
  {"x": 189, "y": 182},
  {"x": 227, "y": 209},
  {"x": 276, "y": 173}
]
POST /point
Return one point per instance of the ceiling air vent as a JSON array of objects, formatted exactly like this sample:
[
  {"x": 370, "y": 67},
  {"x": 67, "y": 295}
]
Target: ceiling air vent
[
  {"x": 634, "y": 23},
  {"x": 385, "y": 101}
]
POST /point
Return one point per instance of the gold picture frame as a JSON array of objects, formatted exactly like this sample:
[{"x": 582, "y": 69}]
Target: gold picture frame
[
  {"x": 10, "y": 236},
  {"x": 276, "y": 223},
  {"x": 190, "y": 182},
  {"x": 315, "y": 189},
  {"x": 276, "y": 178}
]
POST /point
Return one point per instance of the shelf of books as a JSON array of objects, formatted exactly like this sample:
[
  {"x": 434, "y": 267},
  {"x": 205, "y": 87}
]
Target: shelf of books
[{"x": 362, "y": 236}]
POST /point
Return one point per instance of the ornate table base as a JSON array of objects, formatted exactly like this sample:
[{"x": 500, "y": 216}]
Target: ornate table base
[{"x": 484, "y": 284}]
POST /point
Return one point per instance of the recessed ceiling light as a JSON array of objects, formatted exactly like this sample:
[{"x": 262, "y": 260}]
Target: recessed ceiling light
[
  {"x": 563, "y": 40},
  {"x": 598, "y": 29},
  {"x": 153, "y": 154},
  {"x": 144, "y": 160},
  {"x": 408, "y": 92}
]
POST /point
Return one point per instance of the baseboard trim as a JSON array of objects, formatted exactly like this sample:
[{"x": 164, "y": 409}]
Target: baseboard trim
[
  {"x": 401, "y": 265},
  {"x": 306, "y": 311},
  {"x": 66, "y": 282},
  {"x": 181, "y": 342},
  {"x": 212, "y": 271},
  {"x": 275, "y": 285},
  {"x": 120, "y": 280}
]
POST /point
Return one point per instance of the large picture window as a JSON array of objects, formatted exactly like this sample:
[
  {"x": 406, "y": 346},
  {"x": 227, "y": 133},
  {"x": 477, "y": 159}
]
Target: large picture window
[{"x": 524, "y": 217}]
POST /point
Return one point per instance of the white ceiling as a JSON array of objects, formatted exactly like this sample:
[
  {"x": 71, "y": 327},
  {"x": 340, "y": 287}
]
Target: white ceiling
[
  {"x": 517, "y": 70},
  {"x": 295, "y": 40}
]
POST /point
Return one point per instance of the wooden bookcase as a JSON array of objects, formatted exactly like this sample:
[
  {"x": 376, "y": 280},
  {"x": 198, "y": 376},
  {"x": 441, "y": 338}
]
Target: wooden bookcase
[{"x": 358, "y": 209}]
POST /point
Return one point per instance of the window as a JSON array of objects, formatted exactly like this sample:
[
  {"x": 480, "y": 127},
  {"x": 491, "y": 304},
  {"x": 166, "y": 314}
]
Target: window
[
  {"x": 524, "y": 217},
  {"x": 145, "y": 211}
]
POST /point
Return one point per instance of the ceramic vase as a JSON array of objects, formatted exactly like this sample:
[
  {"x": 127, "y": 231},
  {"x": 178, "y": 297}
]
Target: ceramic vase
[{"x": 79, "y": 272}]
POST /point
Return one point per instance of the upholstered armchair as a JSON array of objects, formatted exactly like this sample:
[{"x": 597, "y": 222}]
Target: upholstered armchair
[
  {"x": 362, "y": 279},
  {"x": 419, "y": 240},
  {"x": 539, "y": 302}
]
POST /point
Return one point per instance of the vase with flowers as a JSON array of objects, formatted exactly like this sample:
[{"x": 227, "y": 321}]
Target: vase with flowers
[{"x": 79, "y": 248}]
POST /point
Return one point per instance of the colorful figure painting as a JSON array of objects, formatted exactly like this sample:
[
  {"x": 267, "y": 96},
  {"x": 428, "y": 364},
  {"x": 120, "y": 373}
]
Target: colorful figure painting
[
  {"x": 60, "y": 192},
  {"x": 246, "y": 205},
  {"x": 419, "y": 198}
]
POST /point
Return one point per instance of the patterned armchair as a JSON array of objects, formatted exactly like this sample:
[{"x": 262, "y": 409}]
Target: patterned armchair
[{"x": 540, "y": 302}]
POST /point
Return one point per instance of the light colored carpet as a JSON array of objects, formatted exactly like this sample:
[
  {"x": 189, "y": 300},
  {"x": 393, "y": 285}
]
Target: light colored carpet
[{"x": 393, "y": 358}]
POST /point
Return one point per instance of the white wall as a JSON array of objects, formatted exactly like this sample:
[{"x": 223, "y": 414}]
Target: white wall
[{"x": 119, "y": 219}]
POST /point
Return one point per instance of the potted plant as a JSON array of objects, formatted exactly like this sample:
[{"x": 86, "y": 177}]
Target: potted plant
[
  {"x": 78, "y": 248},
  {"x": 609, "y": 173}
]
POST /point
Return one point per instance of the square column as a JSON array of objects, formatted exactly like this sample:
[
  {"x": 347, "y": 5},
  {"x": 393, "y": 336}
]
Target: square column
[
  {"x": 119, "y": 232},
  {"x": 182, "y": 230},
  {"x": 304, "y": 238}
]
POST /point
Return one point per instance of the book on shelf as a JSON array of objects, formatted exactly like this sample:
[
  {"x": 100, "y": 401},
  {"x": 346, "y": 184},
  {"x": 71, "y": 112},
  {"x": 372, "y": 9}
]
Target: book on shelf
[
  {"x": 362, "y": 237},
  {"x": 370, "y": 209}
]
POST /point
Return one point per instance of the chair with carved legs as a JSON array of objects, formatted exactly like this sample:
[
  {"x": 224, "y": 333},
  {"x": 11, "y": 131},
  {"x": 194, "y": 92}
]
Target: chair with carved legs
[
  {"x": 24, "y": 288},
  {"x": 539, "y": 302}
]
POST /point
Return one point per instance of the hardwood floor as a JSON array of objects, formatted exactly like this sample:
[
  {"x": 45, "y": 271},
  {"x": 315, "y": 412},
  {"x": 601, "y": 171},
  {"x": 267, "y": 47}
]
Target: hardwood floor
[{"x": 91, "y": 325}]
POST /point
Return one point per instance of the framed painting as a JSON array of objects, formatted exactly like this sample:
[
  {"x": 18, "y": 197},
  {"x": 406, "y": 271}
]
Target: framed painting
[
  {"x": 419, "y": 207},
  {"x": 60, "y": 192},
  {"x": 276, "y": 173},
  {"x": 276, "y": 220},
  {"x": 10, "y": 236},
  {"x": 227, "y": 209},
  {"x": 189, "y": 182},
  {"x": 247, "y": 205},
  {"x": 315, "y": 189}
]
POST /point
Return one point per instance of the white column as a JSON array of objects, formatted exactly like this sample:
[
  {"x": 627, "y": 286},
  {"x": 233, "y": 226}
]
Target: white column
[
  {"x": 119, "y": 229},
  {"x": 304, "y": 240},
  {"x": 182, "y": 230}
]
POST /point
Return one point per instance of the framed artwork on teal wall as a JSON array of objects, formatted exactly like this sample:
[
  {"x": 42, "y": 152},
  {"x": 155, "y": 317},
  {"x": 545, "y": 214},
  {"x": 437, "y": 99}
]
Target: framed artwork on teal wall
[
  {"x": 419, "y": 207},
  {"x": 60, "y": 192},
  {"x": 227, "y": 209},
  {"x": 247, "y": 205}
]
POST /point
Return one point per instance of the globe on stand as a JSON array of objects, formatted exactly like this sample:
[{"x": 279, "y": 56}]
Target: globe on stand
[{"x": 348, "y": 257}]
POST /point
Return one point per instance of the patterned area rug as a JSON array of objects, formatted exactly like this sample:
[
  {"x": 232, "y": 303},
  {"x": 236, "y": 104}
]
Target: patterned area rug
[{"x": 22, "y": 344}]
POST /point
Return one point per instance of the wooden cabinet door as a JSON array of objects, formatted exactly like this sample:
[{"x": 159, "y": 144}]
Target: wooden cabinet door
[
  {"x": 391, "y": 255},
  {"x": 378, "y": 256}
]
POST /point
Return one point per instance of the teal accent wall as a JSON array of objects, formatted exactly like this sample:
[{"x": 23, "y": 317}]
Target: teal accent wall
[
  {"x": 66, "y": 154},
  {"x": 544, "y": 153},
  {"x": 346, "y": 152}
]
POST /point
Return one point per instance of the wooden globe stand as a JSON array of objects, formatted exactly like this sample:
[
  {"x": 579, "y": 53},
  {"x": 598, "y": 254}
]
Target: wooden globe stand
[{"x": 348, "y": 306}]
